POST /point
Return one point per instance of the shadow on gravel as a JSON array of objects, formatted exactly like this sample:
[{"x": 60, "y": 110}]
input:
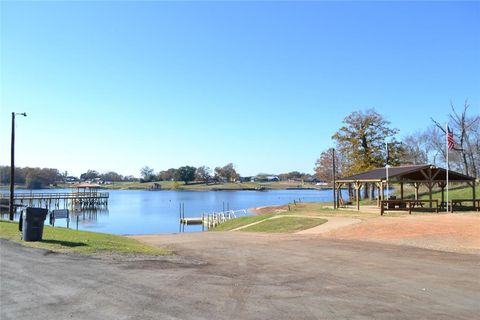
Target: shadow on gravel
[
  {"x": 163, "y": 263},
  {"x": 65, "y": 243}
]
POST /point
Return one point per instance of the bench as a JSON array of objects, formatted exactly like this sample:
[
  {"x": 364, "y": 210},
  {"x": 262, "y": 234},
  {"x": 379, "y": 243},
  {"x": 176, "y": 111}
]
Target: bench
[{"x": 342, "y": 203}]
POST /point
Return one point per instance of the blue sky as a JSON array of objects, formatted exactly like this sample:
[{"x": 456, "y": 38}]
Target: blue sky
[{"x": 119, "y": 85}]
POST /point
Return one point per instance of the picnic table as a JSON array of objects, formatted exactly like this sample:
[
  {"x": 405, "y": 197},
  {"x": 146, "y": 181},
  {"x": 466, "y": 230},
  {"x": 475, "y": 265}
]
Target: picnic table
[
  {"x": 455, "y": 203},
  {"x": 408, "y": 205}
]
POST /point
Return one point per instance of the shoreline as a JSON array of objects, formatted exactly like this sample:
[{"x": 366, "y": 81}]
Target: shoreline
[{"x": 2, "y": 188}]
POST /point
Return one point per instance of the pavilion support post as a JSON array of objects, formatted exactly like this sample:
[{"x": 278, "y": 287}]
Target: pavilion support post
[
  {"x": 371, "y": 191},
  {"x": 378, "y": 194},
  {"x": 473, "y": 195},
  {"x": 335, "y": 195},
  {"x": 338, "y": 190},
  {"x": 339, "y": 194},
  {"x": 442, "y": 185},
  {"x": 415, "y": 185},
  {"x": 357, "y": 192},
  {"x": 382, "y": 191},
  {"x": 401, "y": 190},
  {"x": 430, "y": 187}
]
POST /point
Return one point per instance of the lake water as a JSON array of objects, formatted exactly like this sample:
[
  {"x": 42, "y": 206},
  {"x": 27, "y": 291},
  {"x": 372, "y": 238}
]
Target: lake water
[{"x": 145, "y": 212}]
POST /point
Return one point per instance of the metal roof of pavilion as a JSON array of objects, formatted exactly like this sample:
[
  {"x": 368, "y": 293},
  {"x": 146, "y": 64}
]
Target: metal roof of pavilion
[{"x": 424, "y": 172}]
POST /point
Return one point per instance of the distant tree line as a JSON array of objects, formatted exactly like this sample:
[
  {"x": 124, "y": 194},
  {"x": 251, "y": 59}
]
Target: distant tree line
[
  {"x": 38, "y": 178},
  {"x": 33, "y": 178},
  {"x": 188, "y": 174},
  {"x": 204, "y": 174},
  {"x": 110, "y": 176}
]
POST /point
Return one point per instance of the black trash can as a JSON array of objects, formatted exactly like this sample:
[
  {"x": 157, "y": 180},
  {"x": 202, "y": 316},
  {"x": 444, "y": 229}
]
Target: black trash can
[{"x": 31, "y": 223}]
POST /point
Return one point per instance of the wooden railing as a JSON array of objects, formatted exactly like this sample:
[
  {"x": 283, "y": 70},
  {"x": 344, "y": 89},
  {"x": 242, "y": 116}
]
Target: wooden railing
[{"x": 43, "y": 196}]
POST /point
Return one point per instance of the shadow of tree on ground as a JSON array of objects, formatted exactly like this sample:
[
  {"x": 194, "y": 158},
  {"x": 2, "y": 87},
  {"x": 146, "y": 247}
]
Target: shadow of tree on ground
[{"x": 70, "y": 244}]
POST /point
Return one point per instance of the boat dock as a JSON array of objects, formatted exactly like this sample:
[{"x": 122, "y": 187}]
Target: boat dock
[
  {"x": 81, "y": 200},
  {"x": 210, "y": 220}
]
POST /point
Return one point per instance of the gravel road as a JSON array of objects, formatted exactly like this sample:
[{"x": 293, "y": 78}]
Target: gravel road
[{"x": 237, "y": 275}]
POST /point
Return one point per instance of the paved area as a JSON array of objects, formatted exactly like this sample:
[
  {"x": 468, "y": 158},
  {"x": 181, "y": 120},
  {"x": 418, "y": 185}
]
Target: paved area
[{"x": 239, "y": 275}]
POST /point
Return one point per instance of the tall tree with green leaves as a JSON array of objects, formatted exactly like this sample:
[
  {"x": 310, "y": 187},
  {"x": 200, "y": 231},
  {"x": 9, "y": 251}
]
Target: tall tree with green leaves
[
  {"x": 185, "y": 174},
  {"x": 361, "y": 141}
]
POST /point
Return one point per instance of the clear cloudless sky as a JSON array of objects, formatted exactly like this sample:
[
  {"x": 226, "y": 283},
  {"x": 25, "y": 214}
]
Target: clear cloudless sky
[{"x": 120, "y": 85}]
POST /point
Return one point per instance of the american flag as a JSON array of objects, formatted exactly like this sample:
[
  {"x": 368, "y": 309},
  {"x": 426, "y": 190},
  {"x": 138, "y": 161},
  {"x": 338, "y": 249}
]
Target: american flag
[{"x": 451, "y": 143}]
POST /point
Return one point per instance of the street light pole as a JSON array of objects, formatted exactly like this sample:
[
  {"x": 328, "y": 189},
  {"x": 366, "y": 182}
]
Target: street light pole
[{"x": 12, "y": 166}]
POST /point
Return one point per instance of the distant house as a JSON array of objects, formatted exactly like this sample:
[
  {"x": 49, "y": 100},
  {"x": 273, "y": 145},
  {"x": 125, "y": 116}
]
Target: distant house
[
  {"x": 266, "y": 178},
  {"x": 312, "y": 180},
  {"x": 247, "y": 179},
  {"x": 71, "y": 180}
]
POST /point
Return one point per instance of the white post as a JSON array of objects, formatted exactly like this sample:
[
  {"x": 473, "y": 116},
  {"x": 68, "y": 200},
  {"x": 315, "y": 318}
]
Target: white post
[
  {"x": 386, "y": 165},
  {"x": 387, "y": 181},
  {"x": 446, "y": 150}
]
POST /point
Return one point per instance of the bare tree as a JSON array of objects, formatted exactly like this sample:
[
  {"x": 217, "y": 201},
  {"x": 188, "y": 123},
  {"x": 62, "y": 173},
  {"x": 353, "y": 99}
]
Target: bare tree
[
  {"x": 147, "y": 174},
  {"x": 416, "y": 149},
  {"x": 324, "y": 165},
  {"x": 203, "y": 174},
  {"x": 465, "y": 131}
]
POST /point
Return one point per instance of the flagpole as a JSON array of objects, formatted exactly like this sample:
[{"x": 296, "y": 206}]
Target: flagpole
[{"x": 446, "y": 150}]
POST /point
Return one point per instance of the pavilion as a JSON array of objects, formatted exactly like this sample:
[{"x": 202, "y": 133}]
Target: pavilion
[
  {"x": 87, "y": 187},
  {"x": 416, "y": 175}
]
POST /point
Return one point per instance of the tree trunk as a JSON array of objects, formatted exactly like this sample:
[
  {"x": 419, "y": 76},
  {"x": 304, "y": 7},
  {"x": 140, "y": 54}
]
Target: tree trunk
[{"x": 365, "y": 191}]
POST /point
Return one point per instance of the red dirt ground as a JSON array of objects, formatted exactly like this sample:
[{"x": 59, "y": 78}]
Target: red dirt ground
[{"x": 446, "y": 232}]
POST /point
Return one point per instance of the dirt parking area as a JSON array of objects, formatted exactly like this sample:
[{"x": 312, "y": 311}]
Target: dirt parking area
[
  {"x": 445, "y": 232},
  {"x": 240, "y": 275}
]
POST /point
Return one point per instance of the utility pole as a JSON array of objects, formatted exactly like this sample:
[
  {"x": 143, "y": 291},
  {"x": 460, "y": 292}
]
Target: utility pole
[
  {"x": 12, "y": 167},
  {"x": 387, "y": 166},
  {"x": 333, "y": 179}
]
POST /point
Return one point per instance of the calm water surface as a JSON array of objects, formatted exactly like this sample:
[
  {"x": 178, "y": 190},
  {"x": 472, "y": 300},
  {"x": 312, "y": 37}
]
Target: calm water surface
[{"x": 144, "y": 212}]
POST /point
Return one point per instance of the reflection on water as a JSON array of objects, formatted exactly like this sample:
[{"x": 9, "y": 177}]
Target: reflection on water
[
  {"x": 89, "y": 214},
  {"x": 83, "y": 217},
  {"x": 144, "y": 212}
]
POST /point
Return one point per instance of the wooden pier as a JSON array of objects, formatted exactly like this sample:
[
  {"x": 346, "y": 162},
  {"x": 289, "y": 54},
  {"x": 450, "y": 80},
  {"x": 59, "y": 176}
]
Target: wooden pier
[{"x": 80, "y": 200}]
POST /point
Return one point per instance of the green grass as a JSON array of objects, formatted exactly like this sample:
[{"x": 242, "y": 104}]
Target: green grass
[
  {"x": 240, "y": 222},
  {"x": 82, "y": 242},
  {"x": 457, "y": 193},
  {"x": 285, "y": 224}
]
